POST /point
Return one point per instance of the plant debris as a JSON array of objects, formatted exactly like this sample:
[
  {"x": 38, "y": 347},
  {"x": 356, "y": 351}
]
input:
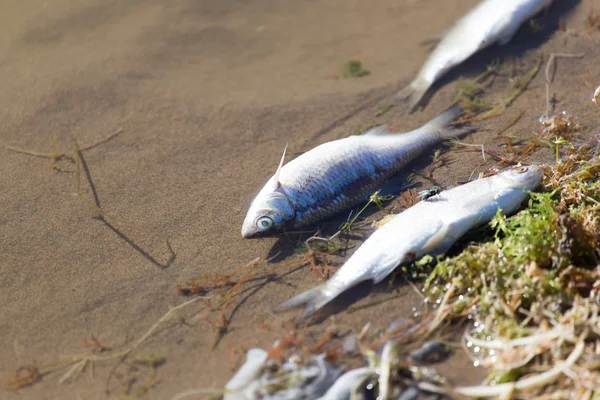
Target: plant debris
[
  {"x": 527, "y": 293},
  {"x": 531, "y": 293},
  {"x": 477, "y": 109},
  {"x": 24, "y": 376},
  {"x": 593, "y": 21},
  {"x": 354, "y": 69}
]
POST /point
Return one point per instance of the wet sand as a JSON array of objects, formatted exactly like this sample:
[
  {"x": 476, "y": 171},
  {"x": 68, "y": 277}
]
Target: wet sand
[{"x": 207, "y": 94}]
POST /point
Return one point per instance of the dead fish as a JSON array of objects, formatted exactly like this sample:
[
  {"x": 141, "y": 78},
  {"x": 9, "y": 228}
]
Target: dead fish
[
  {"x": 339, "y": 175},
  {"x": 349, "y": 383},
  {"x": 429, "y": 227},
  {"x": 492, "y": 21},
  {"x": 297, "y": 378},
  {"x": 246, "y": 375}
]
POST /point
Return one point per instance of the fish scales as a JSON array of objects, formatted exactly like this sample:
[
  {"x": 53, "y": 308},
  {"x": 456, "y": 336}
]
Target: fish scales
[
  {"x": 431, "y": 227},
  {"x": 339, "y": 175},
  {"x": 345, "y": 184}
]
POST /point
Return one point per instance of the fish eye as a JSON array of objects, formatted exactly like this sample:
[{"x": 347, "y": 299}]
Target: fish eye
[
  {"x": 522, "y": 170},
  {"x": 264, "y": 223}
]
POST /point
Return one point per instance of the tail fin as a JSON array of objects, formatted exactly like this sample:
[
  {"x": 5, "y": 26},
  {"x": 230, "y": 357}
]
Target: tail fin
[
  {"x": 442, "y": 123},
  {"x": 312, "y": 300},
  {"x": 412, "y": 94}
]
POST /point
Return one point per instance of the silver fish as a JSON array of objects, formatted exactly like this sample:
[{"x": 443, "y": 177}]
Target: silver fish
[
  {"x": 298, "y": 378},
  {"x": 341, "y": 174},
  {"x": 429, "y": 227},
  {"x": 492, "y": 21},
  {"x": 246, "y": 375}
]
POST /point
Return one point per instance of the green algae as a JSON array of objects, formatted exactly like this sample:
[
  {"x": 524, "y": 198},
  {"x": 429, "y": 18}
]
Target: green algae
[{"x": 536, "y": 274}]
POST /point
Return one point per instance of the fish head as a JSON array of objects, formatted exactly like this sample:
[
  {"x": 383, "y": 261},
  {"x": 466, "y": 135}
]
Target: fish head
[
  {"x": 268, "y": 214},
  {"x": 527, "y": 177}
]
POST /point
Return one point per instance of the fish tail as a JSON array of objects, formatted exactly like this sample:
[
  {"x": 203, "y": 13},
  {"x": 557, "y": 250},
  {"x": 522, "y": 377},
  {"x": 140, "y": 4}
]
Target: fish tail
[
  {"x": 412, "y": 94},
  {"x": 442, "y": 123},
  {"x": 312, "y": 300}
]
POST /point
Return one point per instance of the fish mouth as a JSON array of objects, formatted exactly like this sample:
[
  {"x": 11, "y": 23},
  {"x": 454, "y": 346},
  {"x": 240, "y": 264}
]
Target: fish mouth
[
  {"x": 536, "y": 176},
  {"x": 247, "y": 235},
  {"x": 252, "y": 232},
  {"x": 249, "y": 232}
]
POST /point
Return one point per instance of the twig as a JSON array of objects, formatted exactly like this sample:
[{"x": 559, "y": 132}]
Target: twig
[
  {"x": 558, "y": 55},
  {"x": 82, "y": 361},
  {"x": 193, "y": 392},
  {"x": 474, "y": 145},
  {"x": 538, "y": 380},
  {"x": 511, "y": 123}
]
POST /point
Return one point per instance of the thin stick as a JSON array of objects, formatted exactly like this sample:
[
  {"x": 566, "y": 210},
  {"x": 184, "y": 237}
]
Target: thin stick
[
  {"x": 105, "y": 140},
  {"x": 511, "y": 123},
  {"x": 193, "y": 392},
  {"x": 81, "y": 361},
  {"x": 164, "y": 318},
  {"x": 78, "y": 165},
  {"x": 34, "y": 153},
  {"x": 474, "y": 145},
  {"x": 558, "y": 55},
  {"x": 530, "y": 382}
]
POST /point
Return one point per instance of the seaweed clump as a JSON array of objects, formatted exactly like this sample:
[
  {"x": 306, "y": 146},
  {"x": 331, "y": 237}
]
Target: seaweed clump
[
  {"x": 532, "y": 294},
  {"x": 354, "y": 69}
]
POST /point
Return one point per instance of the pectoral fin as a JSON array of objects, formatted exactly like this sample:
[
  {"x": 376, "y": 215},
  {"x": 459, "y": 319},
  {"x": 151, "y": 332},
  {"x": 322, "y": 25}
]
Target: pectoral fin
[
  {"x": 435, "y": 241},
  {"x": 481, "y": 202}
]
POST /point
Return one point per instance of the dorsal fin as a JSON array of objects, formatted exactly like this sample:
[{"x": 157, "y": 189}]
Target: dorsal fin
[
  {"x": 377, "y": 131},
  {"x": 276, "y": 176}
]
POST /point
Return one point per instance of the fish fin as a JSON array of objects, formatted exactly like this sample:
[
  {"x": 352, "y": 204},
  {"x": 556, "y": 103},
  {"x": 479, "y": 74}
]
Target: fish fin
[
  {"x": 377, "y": 131},
  {"x": 412, "y": 94},
  {"x": 442, "y": 123},
  {"x": 312, "y": 300},
  {"x": 458, "y": 132},
  {"x": 387, "y": 267},
  {"x": 432, "y": 245},
  {"x": 481, "y": 201},
  {"x": 276, "y": 183},
  {"x": 447, "y": 234},
  {"x": 446, "y": 117},
  {"x": 507, "y": 36}
]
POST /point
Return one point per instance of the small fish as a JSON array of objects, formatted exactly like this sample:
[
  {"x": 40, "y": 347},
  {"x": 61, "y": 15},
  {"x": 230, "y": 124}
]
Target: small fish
[
  {"x": 339, "y": 175},
  {"x": 297, "y": 378},
  {"x": 492, "y": 21},
  {"x": 428, "y": 227}
]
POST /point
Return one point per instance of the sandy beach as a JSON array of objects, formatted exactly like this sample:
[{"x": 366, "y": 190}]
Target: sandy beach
[{"x": 197, "y": 99}]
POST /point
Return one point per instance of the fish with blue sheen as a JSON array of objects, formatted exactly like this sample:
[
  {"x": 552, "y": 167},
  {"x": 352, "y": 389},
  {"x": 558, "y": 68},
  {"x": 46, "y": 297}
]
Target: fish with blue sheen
[
  {"x": 340, "y": 174},
  {"x": 430, "y": 227}
]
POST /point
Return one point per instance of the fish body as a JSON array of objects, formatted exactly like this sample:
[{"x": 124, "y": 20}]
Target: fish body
[
  {"x": 345, "y": 385},
  {"x": 429, "y": 227},
  {"x": 491, "y": 21},
  {"x": 259, "y": 378},
  {"x": 341, "y": 174},
  {"x": 246, "y": 375}
]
